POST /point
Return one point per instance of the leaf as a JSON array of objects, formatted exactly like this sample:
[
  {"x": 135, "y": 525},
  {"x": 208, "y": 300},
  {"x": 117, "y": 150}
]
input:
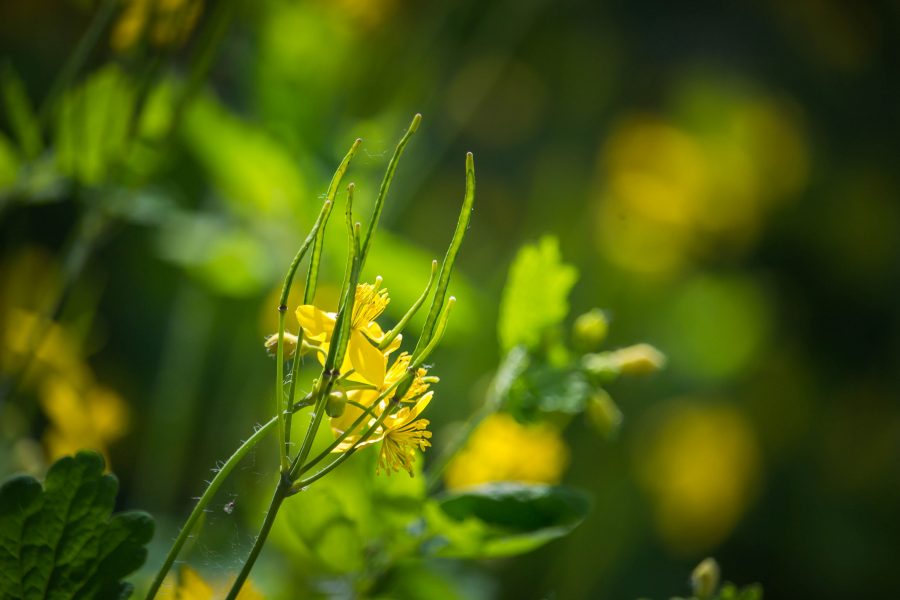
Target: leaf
[
  {"x": 503, "y": 519},
  {"x": 60, "y": 540},
  {"x": 544, "y": 389},
  {"x": 92, "y": 129},
  {"x": 535, "y": 296}
]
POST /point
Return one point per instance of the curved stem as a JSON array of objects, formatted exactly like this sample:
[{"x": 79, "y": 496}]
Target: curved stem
[
  {"x": 277, "y": 498},
  {"x": 204, "y": 500}
]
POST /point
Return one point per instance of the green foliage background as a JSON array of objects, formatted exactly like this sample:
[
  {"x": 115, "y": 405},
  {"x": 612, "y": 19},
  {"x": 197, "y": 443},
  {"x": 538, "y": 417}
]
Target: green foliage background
[{"x": 721, "y": 177}]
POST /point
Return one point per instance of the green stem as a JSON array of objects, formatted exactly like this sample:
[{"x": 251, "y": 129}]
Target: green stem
[
  {"x": 204, "y": 500},
  {"x": 393, "y": 333},
  {"x": 295, "y": 373},
  {"x": 386, "y": 184},
  {"x": 462, "y": 224},
  {"x": 281, "y": 492}
]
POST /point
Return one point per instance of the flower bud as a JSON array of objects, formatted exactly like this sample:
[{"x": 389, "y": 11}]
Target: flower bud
[
  {"x": 590, "y": 330},
  {"x": 604, "y": 415},
  {"x": 337, "y": 402},
  {"x": 705, "y": 578},
  {"x": 640, "y": 359},
  {"x": 290, "y": 344}
]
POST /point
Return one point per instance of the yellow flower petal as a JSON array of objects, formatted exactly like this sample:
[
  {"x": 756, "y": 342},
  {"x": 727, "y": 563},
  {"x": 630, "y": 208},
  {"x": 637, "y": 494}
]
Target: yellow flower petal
[
  {"x": 369, "y": 362},
  {"x": 317, "y": 324}
]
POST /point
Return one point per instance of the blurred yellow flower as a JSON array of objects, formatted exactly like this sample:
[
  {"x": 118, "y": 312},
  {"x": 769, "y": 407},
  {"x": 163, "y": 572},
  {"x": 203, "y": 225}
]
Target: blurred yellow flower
[
  {"x": 168, "y": 22},
  {"x": 80, "y": 412},
  {"x": 48, "y": 345},
  {"x": 699, "y": 465},
  {"x": 191, "y": 586},
  {"x": 502, "y": 449},
  {"x": 698, "y": 181},
  {"x": 363, "y": 355},
  {"x": 93, "y": 418}
]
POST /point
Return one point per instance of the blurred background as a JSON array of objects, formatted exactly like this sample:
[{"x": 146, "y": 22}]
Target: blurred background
[{"x": 723, "y": 176}]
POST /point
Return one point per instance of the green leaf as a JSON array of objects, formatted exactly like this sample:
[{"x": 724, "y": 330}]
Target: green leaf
[
  {"x": 535, "y": 296},
  {"x": 502, "y": 519},
  {"x": 92, "y": 129},
  {"x": 60, "y": 540},
  {"x": 546, "y": 389}
]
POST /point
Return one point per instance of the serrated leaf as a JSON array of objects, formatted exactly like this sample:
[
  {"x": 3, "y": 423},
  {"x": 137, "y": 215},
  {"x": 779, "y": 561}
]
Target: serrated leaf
[
  {"x": 535, "y": 296},
  {"x": 60, "y": 540},
  {"x": 503, "y": 519}
]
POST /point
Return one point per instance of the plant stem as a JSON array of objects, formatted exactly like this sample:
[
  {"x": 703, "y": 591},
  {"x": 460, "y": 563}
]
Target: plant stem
[
  {"x": 204, "y": 500},
  {"x": 437, "y": 303},
  {"x": 279, "y": 390},
  {"x": 281, "y": 492}
]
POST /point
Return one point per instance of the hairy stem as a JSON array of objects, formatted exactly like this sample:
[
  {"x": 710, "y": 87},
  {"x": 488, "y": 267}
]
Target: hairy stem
[
  {"x": 281, "y": 492},
  {"x": 204, "y": 500}
]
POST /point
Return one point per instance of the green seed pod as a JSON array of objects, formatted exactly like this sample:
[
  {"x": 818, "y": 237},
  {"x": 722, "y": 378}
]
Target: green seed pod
[
  {"x": 337, "y": 402},
  {"x": 590, "y": 330}
]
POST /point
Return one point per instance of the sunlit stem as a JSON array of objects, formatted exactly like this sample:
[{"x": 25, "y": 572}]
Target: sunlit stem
[
  {"x": 452, "y": 251},
  {"x": 339, "y": 339},
  {"x": 436, "y": 338},
  {"x": 204, "y": 500},
  {"x": 312, "y": 275},
  {"x": 289, "y": 413},
  {"x": 279, "y": 394},
  {"x": 281, "y": 492},
  {"x": 385, "y": 186},
  {"x": 393, "y": 333},
  {"x": 279, "y": 353}
]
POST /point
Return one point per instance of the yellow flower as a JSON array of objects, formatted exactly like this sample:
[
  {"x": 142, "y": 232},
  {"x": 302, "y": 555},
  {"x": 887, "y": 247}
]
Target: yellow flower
[
  {"x": 400, "y": 432},
  {"x": 191, "y": 586},
  {"x": 169, "y": 22},
  {"x": 502, "y": 449},
  {"x": 363, "y": 355}
]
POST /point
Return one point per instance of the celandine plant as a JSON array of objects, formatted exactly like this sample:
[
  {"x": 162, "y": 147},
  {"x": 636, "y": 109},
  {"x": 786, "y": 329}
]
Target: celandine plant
[{"x": 367, "y": 396}]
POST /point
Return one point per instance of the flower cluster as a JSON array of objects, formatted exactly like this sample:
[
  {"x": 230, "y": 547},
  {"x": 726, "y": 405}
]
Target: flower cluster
[{"x": 370, "y": 401}]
